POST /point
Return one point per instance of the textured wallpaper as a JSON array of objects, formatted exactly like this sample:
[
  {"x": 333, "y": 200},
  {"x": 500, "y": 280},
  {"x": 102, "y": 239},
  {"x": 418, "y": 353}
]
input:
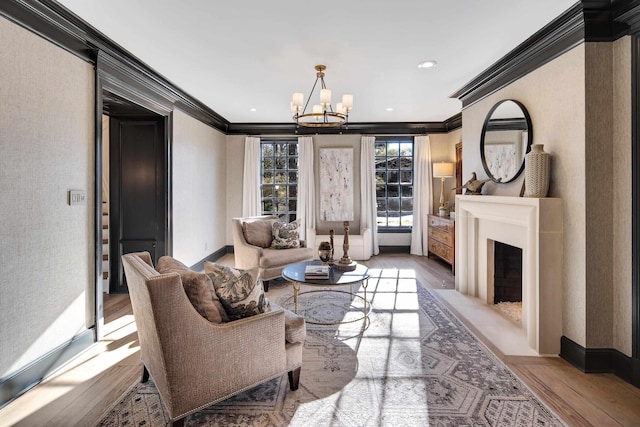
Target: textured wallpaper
[
  {"x": 621, "y": 207},
  {"x": 46, "y": 149},
  {"x": 199, "y": 189}
]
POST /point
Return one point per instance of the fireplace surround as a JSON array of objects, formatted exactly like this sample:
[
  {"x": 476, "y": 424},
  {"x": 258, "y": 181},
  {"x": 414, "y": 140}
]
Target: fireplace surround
[{"x": 533, "y": 224}]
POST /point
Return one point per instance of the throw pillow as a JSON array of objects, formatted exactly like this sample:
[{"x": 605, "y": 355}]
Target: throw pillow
[
  {"x": 240, "y": 291},
  {"x": 198, "y": 287},
  {"x": 285, "y": 236},
  {"x": 258, "y": 232}
]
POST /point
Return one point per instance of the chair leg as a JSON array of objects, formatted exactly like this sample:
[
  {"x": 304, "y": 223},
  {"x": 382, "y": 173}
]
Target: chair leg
[
  {"x": 178, "y": 423},
  {"x": 265, "y": 284},
  {"x": 145, "y": 374},
  {"x": 294, "y": 379}
]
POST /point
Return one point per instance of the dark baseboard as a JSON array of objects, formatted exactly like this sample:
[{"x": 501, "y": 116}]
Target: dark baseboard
[
  {"x": 395, "y": 249},
  {"x": 600, "y": 361},
  {"x": 199, "y": 266},
  {"x": 230, "y": 249},
  {"x": 31, "y": 375}
]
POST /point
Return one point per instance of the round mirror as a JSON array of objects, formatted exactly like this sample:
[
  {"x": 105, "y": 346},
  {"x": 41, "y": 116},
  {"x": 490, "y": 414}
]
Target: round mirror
[{"x": 505, "y": 140}]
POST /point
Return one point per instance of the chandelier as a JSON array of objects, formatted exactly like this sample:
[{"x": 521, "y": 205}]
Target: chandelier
[{"x": 322, "y": 115}]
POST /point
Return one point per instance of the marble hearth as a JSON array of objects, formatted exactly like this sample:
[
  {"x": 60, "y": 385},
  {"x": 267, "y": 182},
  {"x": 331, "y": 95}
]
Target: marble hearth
[{"x": 535, "y": 226}]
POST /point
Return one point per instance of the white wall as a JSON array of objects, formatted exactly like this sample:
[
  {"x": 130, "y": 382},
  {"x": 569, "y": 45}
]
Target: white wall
[
  {"x": 46, "y": 149},
  {"x": 199, "y": 181}
]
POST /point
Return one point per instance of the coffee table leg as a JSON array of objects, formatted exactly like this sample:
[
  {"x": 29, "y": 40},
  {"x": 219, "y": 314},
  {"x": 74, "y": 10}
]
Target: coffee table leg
[
  {"x": 364, "y": 285},
  {"x": 296, "y": 288}
]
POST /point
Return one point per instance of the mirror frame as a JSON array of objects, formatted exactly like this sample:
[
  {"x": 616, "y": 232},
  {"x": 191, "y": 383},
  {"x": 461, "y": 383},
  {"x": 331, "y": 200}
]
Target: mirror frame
[{"x": 527, "y": 119}]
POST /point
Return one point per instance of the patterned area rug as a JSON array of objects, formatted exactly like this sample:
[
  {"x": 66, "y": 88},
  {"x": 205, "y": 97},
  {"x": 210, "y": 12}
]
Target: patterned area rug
[{"x": 413, "y": 364}]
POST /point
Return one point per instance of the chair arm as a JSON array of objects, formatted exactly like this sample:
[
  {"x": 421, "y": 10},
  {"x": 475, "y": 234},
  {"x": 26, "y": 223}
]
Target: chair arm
[{"x": 247, "y": 256}]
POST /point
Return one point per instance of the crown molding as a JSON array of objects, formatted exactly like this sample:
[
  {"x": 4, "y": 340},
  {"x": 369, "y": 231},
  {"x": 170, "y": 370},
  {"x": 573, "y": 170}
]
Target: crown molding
[
  {"x": 378, "y": 128},
  {"x": 121, "y": 69},
  {"x": 557, "y": 37},
  {"x": 586, "y": 21},
  {"x": 58, "y": 25}
]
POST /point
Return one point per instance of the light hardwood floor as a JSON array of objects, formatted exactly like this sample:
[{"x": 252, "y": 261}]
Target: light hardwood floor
[{"x": 80, "y": 393}]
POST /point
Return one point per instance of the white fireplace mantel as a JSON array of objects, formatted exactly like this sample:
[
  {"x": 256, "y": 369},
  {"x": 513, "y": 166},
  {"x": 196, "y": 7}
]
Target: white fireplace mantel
[{"x": 535, "y": 226}]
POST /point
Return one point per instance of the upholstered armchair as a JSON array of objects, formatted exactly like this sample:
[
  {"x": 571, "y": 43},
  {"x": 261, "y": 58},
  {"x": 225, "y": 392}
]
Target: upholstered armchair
[
  {"x": 270, "y": 261},
  {"x": 195, "y": 363}
]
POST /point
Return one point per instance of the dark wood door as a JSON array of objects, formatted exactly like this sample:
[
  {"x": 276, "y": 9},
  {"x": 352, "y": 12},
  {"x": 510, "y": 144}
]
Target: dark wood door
[{"x": 138, "y": 201}]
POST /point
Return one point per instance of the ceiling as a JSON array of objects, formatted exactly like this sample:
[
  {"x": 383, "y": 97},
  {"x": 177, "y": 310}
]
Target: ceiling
[{"x": 244, "y": 59}]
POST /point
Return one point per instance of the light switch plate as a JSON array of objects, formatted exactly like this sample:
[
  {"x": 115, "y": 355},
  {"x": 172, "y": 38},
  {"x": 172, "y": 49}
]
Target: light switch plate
[{"x": 76, "y": 197}]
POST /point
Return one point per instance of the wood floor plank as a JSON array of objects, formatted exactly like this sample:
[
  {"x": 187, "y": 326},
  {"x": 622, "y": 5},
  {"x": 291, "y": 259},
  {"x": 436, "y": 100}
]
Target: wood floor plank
[{"x": 81, "y": 392}]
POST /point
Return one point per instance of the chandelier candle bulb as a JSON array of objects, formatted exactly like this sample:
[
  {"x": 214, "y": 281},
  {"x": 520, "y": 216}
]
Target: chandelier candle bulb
[
  {"x": 325, "y": 97},
  {"x": 347, "y": 101},
  {"x": 298, "y": 99}
]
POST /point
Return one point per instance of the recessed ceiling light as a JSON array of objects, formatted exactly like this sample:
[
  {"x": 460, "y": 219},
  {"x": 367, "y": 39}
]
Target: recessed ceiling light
[
  {"x": 253, "y": 110},
  {"x": 428, "y": 64},
  {"x": 389, "y": 109}
]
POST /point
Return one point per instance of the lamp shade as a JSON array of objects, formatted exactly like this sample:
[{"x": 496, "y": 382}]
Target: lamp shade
[{"x": 442, "y": 170}]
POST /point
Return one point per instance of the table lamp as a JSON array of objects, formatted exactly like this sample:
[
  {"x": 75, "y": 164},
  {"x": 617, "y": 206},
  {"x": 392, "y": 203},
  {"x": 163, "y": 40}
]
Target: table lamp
[{"x": 442, "y": 170}]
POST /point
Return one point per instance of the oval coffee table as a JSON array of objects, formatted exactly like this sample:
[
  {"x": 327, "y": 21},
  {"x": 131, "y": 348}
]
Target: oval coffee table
[{"x": 294, "y": 273}]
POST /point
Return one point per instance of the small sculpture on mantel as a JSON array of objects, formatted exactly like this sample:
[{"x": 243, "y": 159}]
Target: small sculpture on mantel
[{"x": 473, "y": 186}]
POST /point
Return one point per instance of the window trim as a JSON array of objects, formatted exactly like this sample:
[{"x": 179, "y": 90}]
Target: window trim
[
  {"x": 275, "y": 141},
  {"x": 401, "y": 229}
]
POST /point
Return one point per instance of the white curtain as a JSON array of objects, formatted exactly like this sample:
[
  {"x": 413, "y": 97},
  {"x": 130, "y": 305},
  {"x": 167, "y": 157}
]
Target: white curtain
[
  {"x": 368, "y": 205},
  {"x": 306, "y": 210},
  {"x": 251, "y": 177},
  {"x": 422, "y": 194}
]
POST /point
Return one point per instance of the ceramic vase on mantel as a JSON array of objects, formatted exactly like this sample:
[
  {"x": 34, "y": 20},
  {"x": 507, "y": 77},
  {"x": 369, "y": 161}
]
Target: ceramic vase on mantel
[{"x": 536, "y": 172}]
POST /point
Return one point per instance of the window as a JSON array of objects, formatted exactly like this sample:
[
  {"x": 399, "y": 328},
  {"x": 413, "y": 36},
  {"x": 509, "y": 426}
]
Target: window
[
  {"x": 394, "y": 183},
  {"x": 279, "y": 172}
]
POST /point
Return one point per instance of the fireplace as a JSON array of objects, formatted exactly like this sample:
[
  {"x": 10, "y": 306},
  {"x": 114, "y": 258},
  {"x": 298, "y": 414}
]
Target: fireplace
[
  {"x": 507, "y": 273},
  {"x": 535, "y": 227}
]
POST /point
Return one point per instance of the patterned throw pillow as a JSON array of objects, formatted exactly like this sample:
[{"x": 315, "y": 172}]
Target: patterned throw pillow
[
  {"x": 240, "y": 291},
  {"x": 285, "y": 236}
]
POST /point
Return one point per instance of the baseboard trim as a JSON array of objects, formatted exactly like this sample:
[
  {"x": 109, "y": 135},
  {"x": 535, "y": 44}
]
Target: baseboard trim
[
  {"x": 199, "y": 266},
  {"x": 598, "y": 360},
  {"x": 31, "y": 375},
  {"x": 395, "y": 249}
]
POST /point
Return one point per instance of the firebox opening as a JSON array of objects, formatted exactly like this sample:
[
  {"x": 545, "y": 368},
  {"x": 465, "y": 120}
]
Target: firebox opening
[{"x": 507, "y": 280}]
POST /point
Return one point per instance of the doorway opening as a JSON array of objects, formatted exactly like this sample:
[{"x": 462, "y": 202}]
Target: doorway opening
[{"x": 135, "y": 164}]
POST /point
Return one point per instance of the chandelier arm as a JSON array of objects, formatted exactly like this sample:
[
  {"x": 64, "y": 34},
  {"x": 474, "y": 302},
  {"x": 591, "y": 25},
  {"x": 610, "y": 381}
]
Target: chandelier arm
[{"x": 310, "y": 93}]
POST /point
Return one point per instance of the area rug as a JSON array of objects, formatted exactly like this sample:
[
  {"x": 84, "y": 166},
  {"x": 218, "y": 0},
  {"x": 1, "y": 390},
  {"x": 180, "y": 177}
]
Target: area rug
[{"x": 412, "y": 363}]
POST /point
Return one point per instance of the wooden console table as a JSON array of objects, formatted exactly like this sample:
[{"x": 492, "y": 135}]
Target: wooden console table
[{"x": 442, "y": 238}]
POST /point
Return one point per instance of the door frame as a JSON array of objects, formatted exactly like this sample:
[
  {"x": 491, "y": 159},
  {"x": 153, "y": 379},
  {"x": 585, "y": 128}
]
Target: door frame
[
  {"x": 113, "y": 77},
  {"x": 635, "y": 208}
]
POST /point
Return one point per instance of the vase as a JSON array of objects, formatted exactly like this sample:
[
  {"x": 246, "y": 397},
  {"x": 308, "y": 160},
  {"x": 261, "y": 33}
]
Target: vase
[
  {"x": 324, "y": 252},
  {"x": 536, "y": 172}
]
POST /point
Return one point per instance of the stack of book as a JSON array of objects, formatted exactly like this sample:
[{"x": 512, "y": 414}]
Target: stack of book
[{"x": 316, "y": 272}]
